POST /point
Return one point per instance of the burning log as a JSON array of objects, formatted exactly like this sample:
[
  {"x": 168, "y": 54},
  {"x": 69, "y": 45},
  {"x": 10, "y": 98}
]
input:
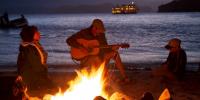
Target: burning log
[
  {"x": 119, "y": 96},
  {"x": 99, "y": 98}
]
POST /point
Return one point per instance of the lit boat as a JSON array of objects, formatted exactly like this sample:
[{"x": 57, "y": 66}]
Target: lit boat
[{"x": 125, "y": 9}]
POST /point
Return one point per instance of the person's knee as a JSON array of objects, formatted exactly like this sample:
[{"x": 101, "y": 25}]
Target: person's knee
[{"x": 112, "y": 54}]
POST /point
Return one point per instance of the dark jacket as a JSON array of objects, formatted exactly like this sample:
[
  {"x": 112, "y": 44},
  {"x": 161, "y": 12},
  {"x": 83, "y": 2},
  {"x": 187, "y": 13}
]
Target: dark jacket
[
  {"x": 177, "y": 62},
  {"x": 32, "y": 65}
]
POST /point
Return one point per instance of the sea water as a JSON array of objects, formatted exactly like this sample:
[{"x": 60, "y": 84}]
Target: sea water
[{"x": 147, "y": 34}]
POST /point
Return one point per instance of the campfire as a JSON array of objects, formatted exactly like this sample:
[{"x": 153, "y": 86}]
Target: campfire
[{"x": 88, "y": 85}]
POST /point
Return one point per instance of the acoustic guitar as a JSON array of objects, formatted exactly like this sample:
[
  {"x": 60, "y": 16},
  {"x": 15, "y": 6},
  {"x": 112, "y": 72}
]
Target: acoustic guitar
[{"x": 91, "y": 47}]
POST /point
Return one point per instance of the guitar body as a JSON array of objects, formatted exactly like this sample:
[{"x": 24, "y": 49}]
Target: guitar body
[
  {"x": 79, "y": 53},
  {"x": 90, "y": 47}
]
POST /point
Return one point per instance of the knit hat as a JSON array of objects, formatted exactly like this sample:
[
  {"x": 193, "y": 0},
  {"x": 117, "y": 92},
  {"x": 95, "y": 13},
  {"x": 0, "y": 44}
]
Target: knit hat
[
  {"x": 27, "y": 33},
  {"x": 98, "y": 24},
  {"x": 173, "y": 43}
]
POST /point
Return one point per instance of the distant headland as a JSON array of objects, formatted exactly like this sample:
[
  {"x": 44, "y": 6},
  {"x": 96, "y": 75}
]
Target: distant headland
[{"x": 181, "y": 6}]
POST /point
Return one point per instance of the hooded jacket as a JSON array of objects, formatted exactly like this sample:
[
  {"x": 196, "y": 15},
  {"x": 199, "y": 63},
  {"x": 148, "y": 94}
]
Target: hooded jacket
[{"x": 32, "y": 64}]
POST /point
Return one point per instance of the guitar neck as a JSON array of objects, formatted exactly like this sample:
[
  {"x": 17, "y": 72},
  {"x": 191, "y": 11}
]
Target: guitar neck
[{"x": 110, "y": 46}]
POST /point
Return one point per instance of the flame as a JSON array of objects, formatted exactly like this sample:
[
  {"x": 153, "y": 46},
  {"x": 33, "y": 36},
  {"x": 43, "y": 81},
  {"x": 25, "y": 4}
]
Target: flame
[{"x": 86, "y": 86}]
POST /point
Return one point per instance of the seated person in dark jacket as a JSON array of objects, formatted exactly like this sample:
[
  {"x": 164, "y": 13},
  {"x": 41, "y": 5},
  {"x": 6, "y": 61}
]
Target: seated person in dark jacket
[
  {"x": 88, "y": 56},
  {"x": 174, "y": 66},
  {"x": 32, "y": 61}
]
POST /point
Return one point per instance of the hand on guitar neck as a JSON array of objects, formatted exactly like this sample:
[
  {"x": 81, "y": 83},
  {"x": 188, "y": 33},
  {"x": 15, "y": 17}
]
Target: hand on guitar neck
[
  {"x": 115, "y": 47},
  {"x": 92, "y": 47}
]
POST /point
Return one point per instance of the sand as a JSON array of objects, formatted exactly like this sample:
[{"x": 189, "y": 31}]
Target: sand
[{"x": 141, "y": 81}]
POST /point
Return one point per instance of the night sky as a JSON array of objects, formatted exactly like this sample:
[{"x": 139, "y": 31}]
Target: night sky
[{"x": 48, "y": 6}]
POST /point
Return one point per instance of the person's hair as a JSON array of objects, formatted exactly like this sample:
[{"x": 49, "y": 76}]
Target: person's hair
[
  {"x": 147, "y": 96},
  {"x": 98, "y": 23},
  {"x": 27, "y": 33}
]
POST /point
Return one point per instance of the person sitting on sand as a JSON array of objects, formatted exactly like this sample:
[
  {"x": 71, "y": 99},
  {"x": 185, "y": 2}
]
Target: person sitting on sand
[
  {"x": 31, "y": 62},
  {"x": 174, "y": 66},
  {"x": 82, "y": 47}
]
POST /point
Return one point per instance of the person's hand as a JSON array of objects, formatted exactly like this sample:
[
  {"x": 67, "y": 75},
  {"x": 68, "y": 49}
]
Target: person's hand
[
  {"x": 83, "y": 49},
  {"x": 115, "y": 47}
]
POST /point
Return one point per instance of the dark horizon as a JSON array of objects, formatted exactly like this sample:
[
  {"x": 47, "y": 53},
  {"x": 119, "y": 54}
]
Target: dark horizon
[{"x": 75, "y": 6}]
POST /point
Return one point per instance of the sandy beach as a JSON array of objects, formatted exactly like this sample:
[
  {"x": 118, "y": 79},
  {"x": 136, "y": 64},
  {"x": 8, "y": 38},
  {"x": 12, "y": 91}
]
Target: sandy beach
[{"x": 141, "y": 81}]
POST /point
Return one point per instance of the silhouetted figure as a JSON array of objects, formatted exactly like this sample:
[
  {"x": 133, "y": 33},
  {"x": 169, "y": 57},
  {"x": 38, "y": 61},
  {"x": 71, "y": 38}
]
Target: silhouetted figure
[
  {"x": 4, "y": 20},
  {"x": 5, "y": 15},
  {"x": 147, "y": 96},
  {"x": 174, "y": 66},
  {"x": 22, "y": 16}
]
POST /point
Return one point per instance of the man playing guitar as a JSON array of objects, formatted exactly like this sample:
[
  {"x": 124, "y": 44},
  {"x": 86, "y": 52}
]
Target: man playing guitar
[{"x": 90, "y": 47}]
